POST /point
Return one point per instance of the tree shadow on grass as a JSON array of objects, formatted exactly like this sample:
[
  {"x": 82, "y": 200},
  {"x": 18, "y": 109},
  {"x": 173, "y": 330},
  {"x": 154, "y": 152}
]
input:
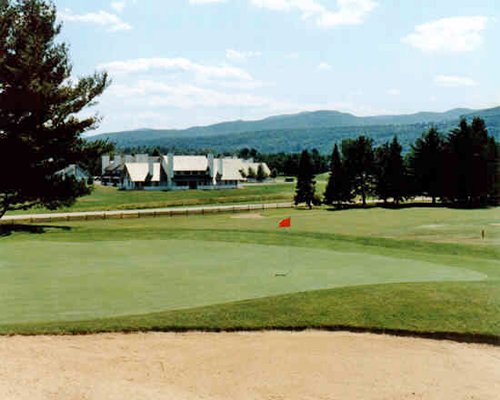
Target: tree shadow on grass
[
  {"x": 7, "y": 230},
  {"x": 401, "y": 206}
]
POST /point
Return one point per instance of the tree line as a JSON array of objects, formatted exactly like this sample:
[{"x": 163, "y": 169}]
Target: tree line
[{"x": 459, "y": 168}]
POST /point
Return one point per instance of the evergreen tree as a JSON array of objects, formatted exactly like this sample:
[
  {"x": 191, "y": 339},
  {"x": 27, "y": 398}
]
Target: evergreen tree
[
  {"x": 261, "y": 173},
  {"x": 319, "y": 161},
  {"x": 94, "y": 150},
  {"x": 39, "y": 103},
  {"x": 338, "y": 189},
  {"x": 305, "y": 189},
  {"x": 390, "y": 172},
  {"x": 359, "y": 161},
  {"x": 470, "y": 154},
  {"x": 426, "y": 165},
  {"x": 382, "y": 166},
  {"x": 251, "y": 173},
  {"x": 396, "y": 172}
]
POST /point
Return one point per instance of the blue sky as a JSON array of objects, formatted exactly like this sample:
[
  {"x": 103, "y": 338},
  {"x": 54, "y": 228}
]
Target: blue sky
[{"x": 180, "y": 63}]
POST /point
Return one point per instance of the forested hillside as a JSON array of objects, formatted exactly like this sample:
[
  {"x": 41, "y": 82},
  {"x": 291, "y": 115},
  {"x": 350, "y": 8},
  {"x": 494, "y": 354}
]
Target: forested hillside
[{"x": 292, "y": 133}]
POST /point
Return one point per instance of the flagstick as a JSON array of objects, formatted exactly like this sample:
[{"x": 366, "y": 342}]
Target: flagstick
[
  {"x": 288, "y": 246},
  {"x": 286, "y": 225}
]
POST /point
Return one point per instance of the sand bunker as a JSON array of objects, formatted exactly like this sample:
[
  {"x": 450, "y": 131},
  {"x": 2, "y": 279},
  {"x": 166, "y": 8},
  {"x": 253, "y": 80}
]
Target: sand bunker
[
  {"x": 431, "y": 226},
  {"x": 269, "y": 365},
  {"x": 248, "y": 216}
]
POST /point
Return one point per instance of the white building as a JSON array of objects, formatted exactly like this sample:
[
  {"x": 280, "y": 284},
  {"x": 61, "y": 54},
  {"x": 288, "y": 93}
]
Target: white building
[
  {"x": 76, "y": 172},
  {"x": 172, "y": 172}
]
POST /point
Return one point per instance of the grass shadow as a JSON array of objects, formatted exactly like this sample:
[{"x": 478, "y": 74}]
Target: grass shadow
[
  {"x": 401, "y": 206},
  {"x": 355, "y": 206},
  {"x": 7, "y": 230}
]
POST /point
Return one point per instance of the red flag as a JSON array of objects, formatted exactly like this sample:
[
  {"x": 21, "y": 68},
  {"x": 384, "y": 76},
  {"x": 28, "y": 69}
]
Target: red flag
[{"x": 286, "y": 223}]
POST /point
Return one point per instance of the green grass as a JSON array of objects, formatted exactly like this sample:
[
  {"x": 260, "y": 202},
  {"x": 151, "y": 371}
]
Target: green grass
[
  {"x": 416, "y": 270},
  {"x": 138, "y": 276},
  {"x": 104, "y": 198},
  {"x": 460, "y": 310}
]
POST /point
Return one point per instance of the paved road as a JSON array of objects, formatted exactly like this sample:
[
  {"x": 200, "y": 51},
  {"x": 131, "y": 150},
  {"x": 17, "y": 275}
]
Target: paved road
[{"x": 149, "y": 212}]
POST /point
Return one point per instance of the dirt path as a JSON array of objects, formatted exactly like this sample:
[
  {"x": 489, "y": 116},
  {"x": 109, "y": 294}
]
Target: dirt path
[{"x": 270, "y": 365}]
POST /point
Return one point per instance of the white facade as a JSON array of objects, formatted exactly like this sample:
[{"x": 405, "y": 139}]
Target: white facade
[{"x": 172, "y": 172}]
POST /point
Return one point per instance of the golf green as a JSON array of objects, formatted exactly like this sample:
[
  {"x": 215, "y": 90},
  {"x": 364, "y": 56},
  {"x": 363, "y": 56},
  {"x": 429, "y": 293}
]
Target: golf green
[{"x": 64, "y": 281}]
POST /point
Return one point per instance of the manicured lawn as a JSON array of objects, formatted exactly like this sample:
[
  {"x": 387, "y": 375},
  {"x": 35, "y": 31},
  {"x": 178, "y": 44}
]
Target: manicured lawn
[
  {"x": 420, "y": 269},
  {"x": 456, "y": 310},
  {"x": 138, "y": 276},
  {"x": 109, "y": 198}
]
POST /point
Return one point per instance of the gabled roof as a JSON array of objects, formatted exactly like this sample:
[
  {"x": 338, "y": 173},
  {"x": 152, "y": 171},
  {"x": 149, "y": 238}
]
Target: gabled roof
[
  {"x": 189, "y": 163},
  {"x": 231, "y": 169},
  {"x": 114, "y": 167},
  {"x": 138, "y": 172},
  {"x": 73, "y": 170}
]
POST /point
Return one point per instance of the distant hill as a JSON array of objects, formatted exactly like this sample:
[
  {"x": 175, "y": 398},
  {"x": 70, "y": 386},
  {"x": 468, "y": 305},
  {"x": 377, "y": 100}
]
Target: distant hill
[{"x": 318, "y": 129}]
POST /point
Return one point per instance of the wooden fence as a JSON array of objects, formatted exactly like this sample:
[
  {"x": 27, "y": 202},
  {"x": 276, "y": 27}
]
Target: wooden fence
[{"x": 123, "y": 214}]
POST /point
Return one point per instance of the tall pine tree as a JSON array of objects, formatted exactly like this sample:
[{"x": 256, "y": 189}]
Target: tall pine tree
[
  {"x": 396, "y": 172},
  {"x": 39, "y": 105},
  {"x": 470, "y": 154},
  {"x": 305, "y": 189},
  {"x": 382, "y": 165},
  {"x": 426, "y": 165},
  {"x": 338, "y": 189}
]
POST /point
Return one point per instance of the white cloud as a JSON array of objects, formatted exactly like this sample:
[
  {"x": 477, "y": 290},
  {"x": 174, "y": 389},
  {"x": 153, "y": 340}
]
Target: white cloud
[
  {"x": 393, "y": 92},
  {"x": 175, "y": 64},
  {"x": 292, "y": 56},
  {"x": 241, "y": 56},
  {"x": 448, "y": 35},
  {"x": 240, "y": 85},
  {"x": 206, "y": 1},
  {"x": 156, "y": 95},
  {"x": 276, "y": 5},
  {"x": 454, "y": 81},
  {"x": 118, "y": 6},
  {"x": 349, "y": 12},
  {"x": 104, "y": 18},
  {"x": 159, "y": 94},
  {"x": 323, "y": 66}
]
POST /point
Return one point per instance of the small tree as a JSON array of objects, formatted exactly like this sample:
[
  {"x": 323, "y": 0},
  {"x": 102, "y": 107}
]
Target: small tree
[
  {"x": 251, "y": 173},
  {"x": 305, "y": 189},
  {"x": 359, "y": 161},
  {"x": 261, "y": 173},
  {"x": 39, "y": 105},
  {"x": 338, "y": 189}
]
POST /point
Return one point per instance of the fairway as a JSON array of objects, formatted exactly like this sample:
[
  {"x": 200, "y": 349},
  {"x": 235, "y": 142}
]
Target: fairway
[
  {"x": 72, "y": 281},
  {"x": 110, "y": 198},
  {"x": 412, "y": 269}
]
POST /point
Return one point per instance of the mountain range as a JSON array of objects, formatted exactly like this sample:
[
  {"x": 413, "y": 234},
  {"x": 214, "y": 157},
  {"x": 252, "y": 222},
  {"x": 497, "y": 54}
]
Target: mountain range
[{"x": 292, "y": 133}]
